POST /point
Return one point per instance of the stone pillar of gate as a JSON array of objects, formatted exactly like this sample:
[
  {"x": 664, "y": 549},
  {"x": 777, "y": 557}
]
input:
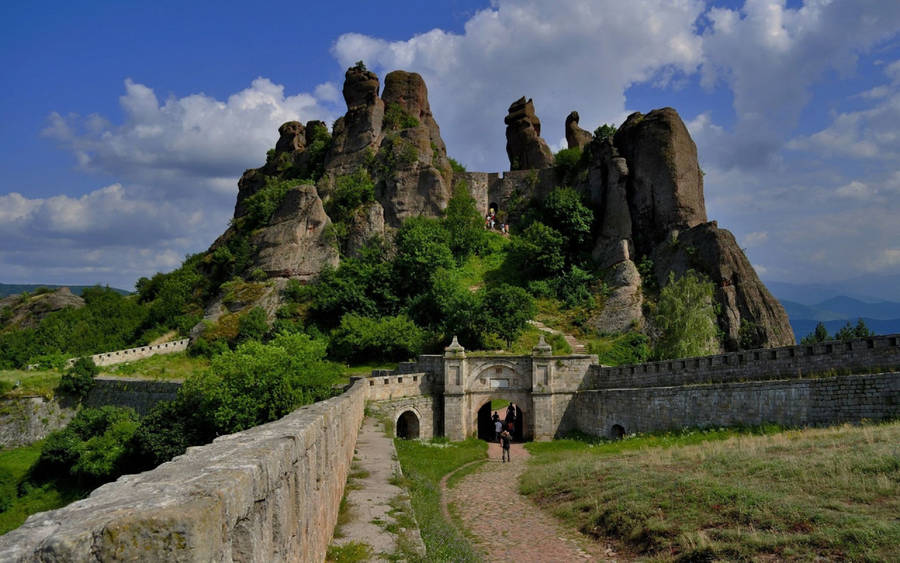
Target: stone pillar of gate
[
  {"x": 455, "y": 423},
  {"x": 542, "y": 390}
]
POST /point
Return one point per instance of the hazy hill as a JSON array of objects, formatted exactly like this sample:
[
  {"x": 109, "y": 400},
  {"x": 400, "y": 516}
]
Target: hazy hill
[
  {"x": 882, "y": 317},
  {"x": 14, "y": 289}
]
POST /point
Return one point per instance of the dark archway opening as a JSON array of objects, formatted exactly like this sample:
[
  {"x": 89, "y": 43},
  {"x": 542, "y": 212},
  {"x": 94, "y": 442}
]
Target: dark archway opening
[
  {"x": 408, "y": 426},
  {"x": 617, "y": 432},
  {"x": 486, "y": 427}
]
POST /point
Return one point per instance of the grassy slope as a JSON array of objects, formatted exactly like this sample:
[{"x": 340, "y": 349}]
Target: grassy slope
[
  {"x": 424, "y": 464},
  {"x": 828, "y": 493}
]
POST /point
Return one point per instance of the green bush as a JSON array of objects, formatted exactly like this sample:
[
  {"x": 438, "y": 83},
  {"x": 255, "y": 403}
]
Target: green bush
[
  {"x": 350, "y": 192},
  {"x": 253, "y": 325},
  {"x": 257, "y": 383},
  {"x": 464, "y": 225},
  {"x": 79, "y": 379},
  {"x": 574, "y": 287},
  {"x": 456, "y": 166},
  {"x": 507, "y": 309},
  {"x": 566, "y": 160},
  {"x": 604, "y": 132},
  {"x": 395, "y": 117},
  {"x": 538, "y": 251},
  {"x": 388, "y": 339},
  {"x": 92, "y": 448}
]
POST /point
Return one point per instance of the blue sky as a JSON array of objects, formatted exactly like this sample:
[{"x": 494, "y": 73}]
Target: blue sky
[{"x": 125, "y": 125}]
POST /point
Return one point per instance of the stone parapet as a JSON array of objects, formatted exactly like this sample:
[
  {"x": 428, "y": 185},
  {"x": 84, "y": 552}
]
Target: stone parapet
[
  {"x": 788, "y": 362},
  {"x": 270, "y": 493},
  {"x": 132, "y": 354}
]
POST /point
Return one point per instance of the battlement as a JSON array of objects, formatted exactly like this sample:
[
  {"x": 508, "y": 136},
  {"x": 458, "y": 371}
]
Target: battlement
[{"x": 860, "y": 355}]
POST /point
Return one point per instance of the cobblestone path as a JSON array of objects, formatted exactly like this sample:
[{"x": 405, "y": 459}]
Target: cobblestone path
[{"x": 508, "y": 527}]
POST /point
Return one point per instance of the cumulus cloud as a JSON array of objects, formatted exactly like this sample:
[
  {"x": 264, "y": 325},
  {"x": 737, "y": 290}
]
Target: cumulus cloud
[
  {"x": 565, "y": 55},
  {"x": 770, "y": 56},
  {"x": 192, "y": 143}
]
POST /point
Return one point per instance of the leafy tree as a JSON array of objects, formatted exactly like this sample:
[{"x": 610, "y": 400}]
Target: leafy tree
[
  {"x": 538, "y": 251},
  {"x": 564, "y": 209},
  {"x": 257, "y": 383},
  {"x": 253, "y": 325},
  {"x": 686, "y": 317},
  {"x": 79, "y": 379},
  {"x": 820, "y": 334},
  {"x": 566, "y": 160},
  {"x": 573, "y": 287},
  {"x": 422, "y": 249},
  {"x": 350, "y": 192},
  {"x": 507, "y": 308},
  {"x": 848, "y": 332},
  {"x": 605, "y": 131},
  {"x": 92, "y": 448},
  {"x": 464, "y": 225},
  {"x": 452, "y": 309},
  {"x": 456, "y": 166},
  {"x": 386, "y": 339}
]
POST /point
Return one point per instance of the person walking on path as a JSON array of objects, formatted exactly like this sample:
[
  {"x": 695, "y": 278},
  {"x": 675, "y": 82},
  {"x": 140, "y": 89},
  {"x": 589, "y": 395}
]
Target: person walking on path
[
  {"x": 498, "y": 427},
  {"x": 504, "y": 443}
]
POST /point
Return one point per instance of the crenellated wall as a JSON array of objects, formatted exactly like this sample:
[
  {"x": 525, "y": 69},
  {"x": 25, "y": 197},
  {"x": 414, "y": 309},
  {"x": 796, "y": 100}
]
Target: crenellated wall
[
  {"x": 270, "y": 493},
  {"x": 132, "y": 354},
  {"x": 789, "y": 362}
]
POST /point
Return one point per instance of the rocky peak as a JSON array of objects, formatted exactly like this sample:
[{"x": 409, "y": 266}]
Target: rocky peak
[
  {"x": 665, "y": 187},
  {"x": 524, "y": 145},
  {"x": 360, "y": 87},
  {"x": 576, "y": 137},
  {"x": 292, "y": 137}
]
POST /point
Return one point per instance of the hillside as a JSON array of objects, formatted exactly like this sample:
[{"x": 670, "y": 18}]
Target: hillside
[{"x": 882, "y": 317}]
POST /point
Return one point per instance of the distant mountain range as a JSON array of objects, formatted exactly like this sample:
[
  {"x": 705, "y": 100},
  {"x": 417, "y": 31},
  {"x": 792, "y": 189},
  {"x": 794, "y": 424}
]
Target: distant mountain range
[
  {"x": 882, "y": 317},
  {"x": 13, "y": 289}
]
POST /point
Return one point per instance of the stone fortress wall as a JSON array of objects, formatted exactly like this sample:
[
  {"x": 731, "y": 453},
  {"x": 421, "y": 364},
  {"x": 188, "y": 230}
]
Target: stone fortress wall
[
  {"x": 270, "y": 493},
  {"x": 132, "y": 354}
]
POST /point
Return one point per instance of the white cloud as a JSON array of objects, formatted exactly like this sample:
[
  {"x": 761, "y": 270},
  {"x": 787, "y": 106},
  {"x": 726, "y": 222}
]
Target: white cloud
[
  {"x": 770, "y": 56},
  {"x": 755, "y": 239},
  {"x": 193, "y": 143},
  {"x": 565, "y": 55},
  {"x": 855, "y": 190},
  {"x": 110, "y": 235}
]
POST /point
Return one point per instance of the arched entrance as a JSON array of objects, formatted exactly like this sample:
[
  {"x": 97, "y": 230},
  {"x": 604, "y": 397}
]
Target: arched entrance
[
  {"x": 485, "y": 422},
  {"x": 408, "y": 425}
]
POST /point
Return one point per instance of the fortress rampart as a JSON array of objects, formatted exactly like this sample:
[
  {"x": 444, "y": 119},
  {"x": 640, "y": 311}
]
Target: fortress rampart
[
  {"x": 270, "y": 493},
  {"x": 132, "y": 354}
]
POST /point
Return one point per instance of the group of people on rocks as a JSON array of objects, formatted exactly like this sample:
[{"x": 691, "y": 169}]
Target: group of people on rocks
[
  {"x": 504, "y": 429},
  {"x": 490, "y": 222}
]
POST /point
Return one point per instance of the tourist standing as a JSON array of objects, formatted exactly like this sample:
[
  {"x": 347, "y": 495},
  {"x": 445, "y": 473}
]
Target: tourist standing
[{"x": 504, "y": 443}]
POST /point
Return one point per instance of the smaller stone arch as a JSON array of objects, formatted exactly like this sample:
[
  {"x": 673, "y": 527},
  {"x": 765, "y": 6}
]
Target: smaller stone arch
[
  {"x": 407, "y": 424},
  {"x": 617, "y": 432}
]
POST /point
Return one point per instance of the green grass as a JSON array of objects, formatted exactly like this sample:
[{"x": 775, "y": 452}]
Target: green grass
[
  {"x": 22, "y": 383},
  {"x": 424, "y": 464},
  {"x": 351, "y": 552},
  {"x": 177, "y": 366},
  {"x": 798, "y": 494},
  {"x": 497, "y": 404},
  {"x": 31, "y": 499},
  {"x": 529, "y": 338}
]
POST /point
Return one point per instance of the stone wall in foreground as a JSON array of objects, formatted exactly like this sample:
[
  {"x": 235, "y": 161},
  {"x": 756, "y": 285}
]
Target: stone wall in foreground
[{"x": 270, "y": 493}]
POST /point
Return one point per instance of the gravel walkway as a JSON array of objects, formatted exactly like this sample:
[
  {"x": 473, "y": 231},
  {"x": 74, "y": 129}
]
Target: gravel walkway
[{"x": 506, "y": 526}]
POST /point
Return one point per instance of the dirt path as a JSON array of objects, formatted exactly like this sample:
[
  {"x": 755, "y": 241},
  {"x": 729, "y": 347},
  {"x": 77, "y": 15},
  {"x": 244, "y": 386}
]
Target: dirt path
[
  {"x": 577, "y": 347},
  {"x": 508, "y": 527}
]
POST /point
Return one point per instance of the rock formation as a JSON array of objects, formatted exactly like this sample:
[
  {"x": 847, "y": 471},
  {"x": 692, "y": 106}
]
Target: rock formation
[
  {"x": 293, "y": 244},
  {"x": 576, "y": 137},
  {"x": 644, "y": 184},
  {"x": 665, "y": 183},
  {"x": 524, "y": 145}
]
